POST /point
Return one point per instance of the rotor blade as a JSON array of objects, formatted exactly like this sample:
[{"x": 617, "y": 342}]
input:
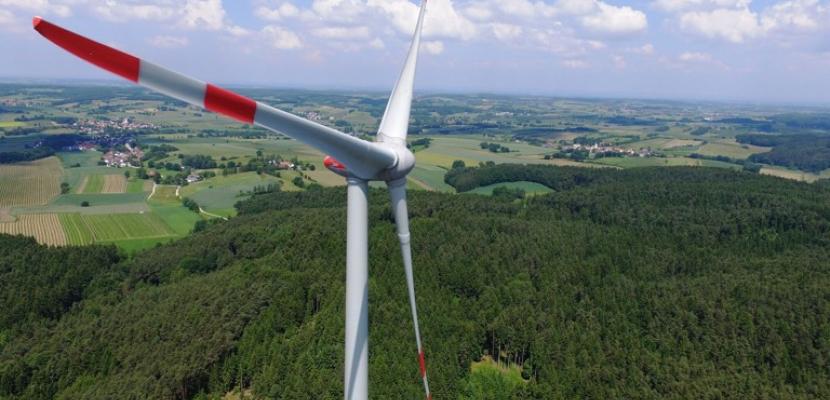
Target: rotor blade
[
  {"x": 397, "y": 193},
  {"x": 395, "y": 120},
  {"x": 363, "y": 159}
]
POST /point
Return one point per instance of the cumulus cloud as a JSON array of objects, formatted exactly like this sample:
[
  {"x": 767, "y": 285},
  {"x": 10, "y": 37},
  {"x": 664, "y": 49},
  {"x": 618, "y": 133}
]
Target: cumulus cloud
[
  {"x": 732, "y": 25},
  {"x": 284, "y": 10},
  {"x": 435, "y": 47},
  {"x": 695, "y": 57},
  {"x": 735, "y": 21},
  {"x": 169, "y": 42},
  {"x": 506, "y": 31},
  {"x": 58, "y": 8},
  {"x": 616, "y": 20},
  {"x": 342, "y": 33},
  {"x": 646, "y": 49},
  {"x": 281, "y": 38},
  {"x": 575, "y": 64}
]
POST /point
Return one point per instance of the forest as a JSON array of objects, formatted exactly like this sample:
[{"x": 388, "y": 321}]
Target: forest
[
  {"x": 807, "y": 152},
  {"x": 648, "y": 283}
]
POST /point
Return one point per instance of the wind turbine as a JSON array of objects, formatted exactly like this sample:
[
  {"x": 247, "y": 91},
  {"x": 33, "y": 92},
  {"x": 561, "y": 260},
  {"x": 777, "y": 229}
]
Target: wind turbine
[{"x": 359, "y": 161}]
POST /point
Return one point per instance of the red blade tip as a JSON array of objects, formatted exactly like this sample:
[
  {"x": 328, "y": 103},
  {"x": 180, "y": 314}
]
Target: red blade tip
[{"x": 36, "y": 22}]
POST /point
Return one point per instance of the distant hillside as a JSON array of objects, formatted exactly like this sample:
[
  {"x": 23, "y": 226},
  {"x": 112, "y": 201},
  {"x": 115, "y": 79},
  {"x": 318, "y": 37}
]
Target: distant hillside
[{"x": 658, "y": 283}]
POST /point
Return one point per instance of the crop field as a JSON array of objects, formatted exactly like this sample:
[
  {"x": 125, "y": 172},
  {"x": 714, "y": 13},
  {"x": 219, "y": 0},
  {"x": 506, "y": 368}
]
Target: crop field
[
  {"x": 28, "y": 184},
  {"x": 218, "y": 195},
  {"x": 114, "y": 184},
  {"x": 731, "y": 149},
  {"x": 177, "y": 217},
  {"x": 92, "y": 184},
  {"x": 45, "y": 228},
  {"x": 77, "y": 159},
  {"x": 530, "y": 188},
  {"x": 164, "y": 194},
  {"x": 429, "y": 177},
  {"x": 139, "y": 186},
  {"x": 85, "y": 229},
  {"x": 11, "y": 124}
]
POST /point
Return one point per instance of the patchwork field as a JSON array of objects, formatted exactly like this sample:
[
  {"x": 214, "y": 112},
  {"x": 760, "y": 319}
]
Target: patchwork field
[
  {"x": 114, "y": 184},
  {"x": 45, "y": 228},
  {"x": 28, "y": 184},
  {"x": 111, "y": 183},
  {"x": 85, "y": 229}
]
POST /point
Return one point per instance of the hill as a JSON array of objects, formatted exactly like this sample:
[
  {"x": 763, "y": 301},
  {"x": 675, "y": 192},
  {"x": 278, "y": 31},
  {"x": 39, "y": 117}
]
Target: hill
[{"x": 669, "y": 283}]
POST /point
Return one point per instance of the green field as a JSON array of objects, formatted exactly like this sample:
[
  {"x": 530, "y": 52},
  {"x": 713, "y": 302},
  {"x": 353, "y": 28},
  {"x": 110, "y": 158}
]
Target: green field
[
  {"x": 136, "y": 186},
  {"x": 530, "y": 188},
  {"x": 93, "y": 184},
  {"x": 83, "y": 158},
  {"x": 11, "y": 124},
  {"x": 218, "y": 195},
  {"x": 84, "y": 229}
]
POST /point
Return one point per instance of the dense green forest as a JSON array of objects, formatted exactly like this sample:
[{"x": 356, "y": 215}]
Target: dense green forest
[
  {"x": 807, "y": 152},
  {"x": 659, "y": 283}
]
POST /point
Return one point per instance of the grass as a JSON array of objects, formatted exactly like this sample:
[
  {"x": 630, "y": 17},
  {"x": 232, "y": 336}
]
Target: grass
[
  {"x": 218, "y": 195},
  {"x": 11, "y": 124},
  {"x": 731, "y": 148},
  {"x": 83, "y": 158},
  {"x": 165, "y": 194},
  {"x": 92, "y": 184},
  {"x": 530, "y": 188},
  {"x": 137, "y": 186},
  {"x": 177, "y": 217}
]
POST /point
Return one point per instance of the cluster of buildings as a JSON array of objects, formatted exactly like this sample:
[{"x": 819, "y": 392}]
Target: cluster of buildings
[
  {"x": 98, "y": 127},
  {"x": 598, "y": 148},
  {"x": 120, "y": 159}
]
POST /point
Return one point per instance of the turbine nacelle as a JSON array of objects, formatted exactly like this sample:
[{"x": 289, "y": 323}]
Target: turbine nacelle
[{"x": 404, "y": 162}]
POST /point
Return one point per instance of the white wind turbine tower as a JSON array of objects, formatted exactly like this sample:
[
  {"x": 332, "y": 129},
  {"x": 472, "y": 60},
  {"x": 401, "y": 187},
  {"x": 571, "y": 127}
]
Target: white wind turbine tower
[{"x": 359, "y": 161}]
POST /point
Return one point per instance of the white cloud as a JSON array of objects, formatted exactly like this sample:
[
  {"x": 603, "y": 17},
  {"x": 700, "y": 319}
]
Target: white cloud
[
  {"x": 6, "y": 17},
  {"x": 616, "y": 20},
  {"x": 436, "y": 47},
  {"x": 60, "y": 9},
  {"x": 376, "y": 43},
  {"x": 341, "y": 33},
  {"x": 281, "y": 38},
  {"x": 169, "y": 42},
  {"x": 797, "y": 14},
  {"x": 733, "y": 25},
  {"x": 646, "y": 49},
  {"x": 619, "y": 61},
  {"x": 204, "y": 14},
  {"x": 695, "y": 57},
  {"x": 575, "y": 64},
  {"x": 284, "y": 10},
  {"x": 681, "y": 5},
  {"x": 111, "y": 10},
  {"x": 506, "y": 31},
  {"x": 442, "y": 20}
]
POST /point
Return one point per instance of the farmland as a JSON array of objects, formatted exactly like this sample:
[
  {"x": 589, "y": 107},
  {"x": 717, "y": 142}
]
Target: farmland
[
  {"x": 106, "y": 228},
  {"x": 28, "y": 184},
  {"x": 46, "y": 228},
  {"x": 445, "y": 128}
]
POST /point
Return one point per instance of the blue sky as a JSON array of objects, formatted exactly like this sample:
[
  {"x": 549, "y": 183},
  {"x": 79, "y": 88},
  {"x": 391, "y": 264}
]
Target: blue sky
[{"x": 745, "y": 50}]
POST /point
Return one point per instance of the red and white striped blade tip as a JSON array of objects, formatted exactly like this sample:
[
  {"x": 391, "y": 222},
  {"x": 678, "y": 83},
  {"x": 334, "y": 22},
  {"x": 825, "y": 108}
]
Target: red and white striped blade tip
[{"x": 36, "y": 21}]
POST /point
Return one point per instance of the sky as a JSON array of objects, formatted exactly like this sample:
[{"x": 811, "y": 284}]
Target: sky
[{"x": 759, "y": 51}]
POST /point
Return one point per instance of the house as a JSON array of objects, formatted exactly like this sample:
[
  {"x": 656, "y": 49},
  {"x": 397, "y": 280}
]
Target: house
[{"x": 193, "y": 178}]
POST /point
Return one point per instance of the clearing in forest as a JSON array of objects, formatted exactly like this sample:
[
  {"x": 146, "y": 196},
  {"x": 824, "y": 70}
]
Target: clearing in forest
[{"x": 93, "y": 228}]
